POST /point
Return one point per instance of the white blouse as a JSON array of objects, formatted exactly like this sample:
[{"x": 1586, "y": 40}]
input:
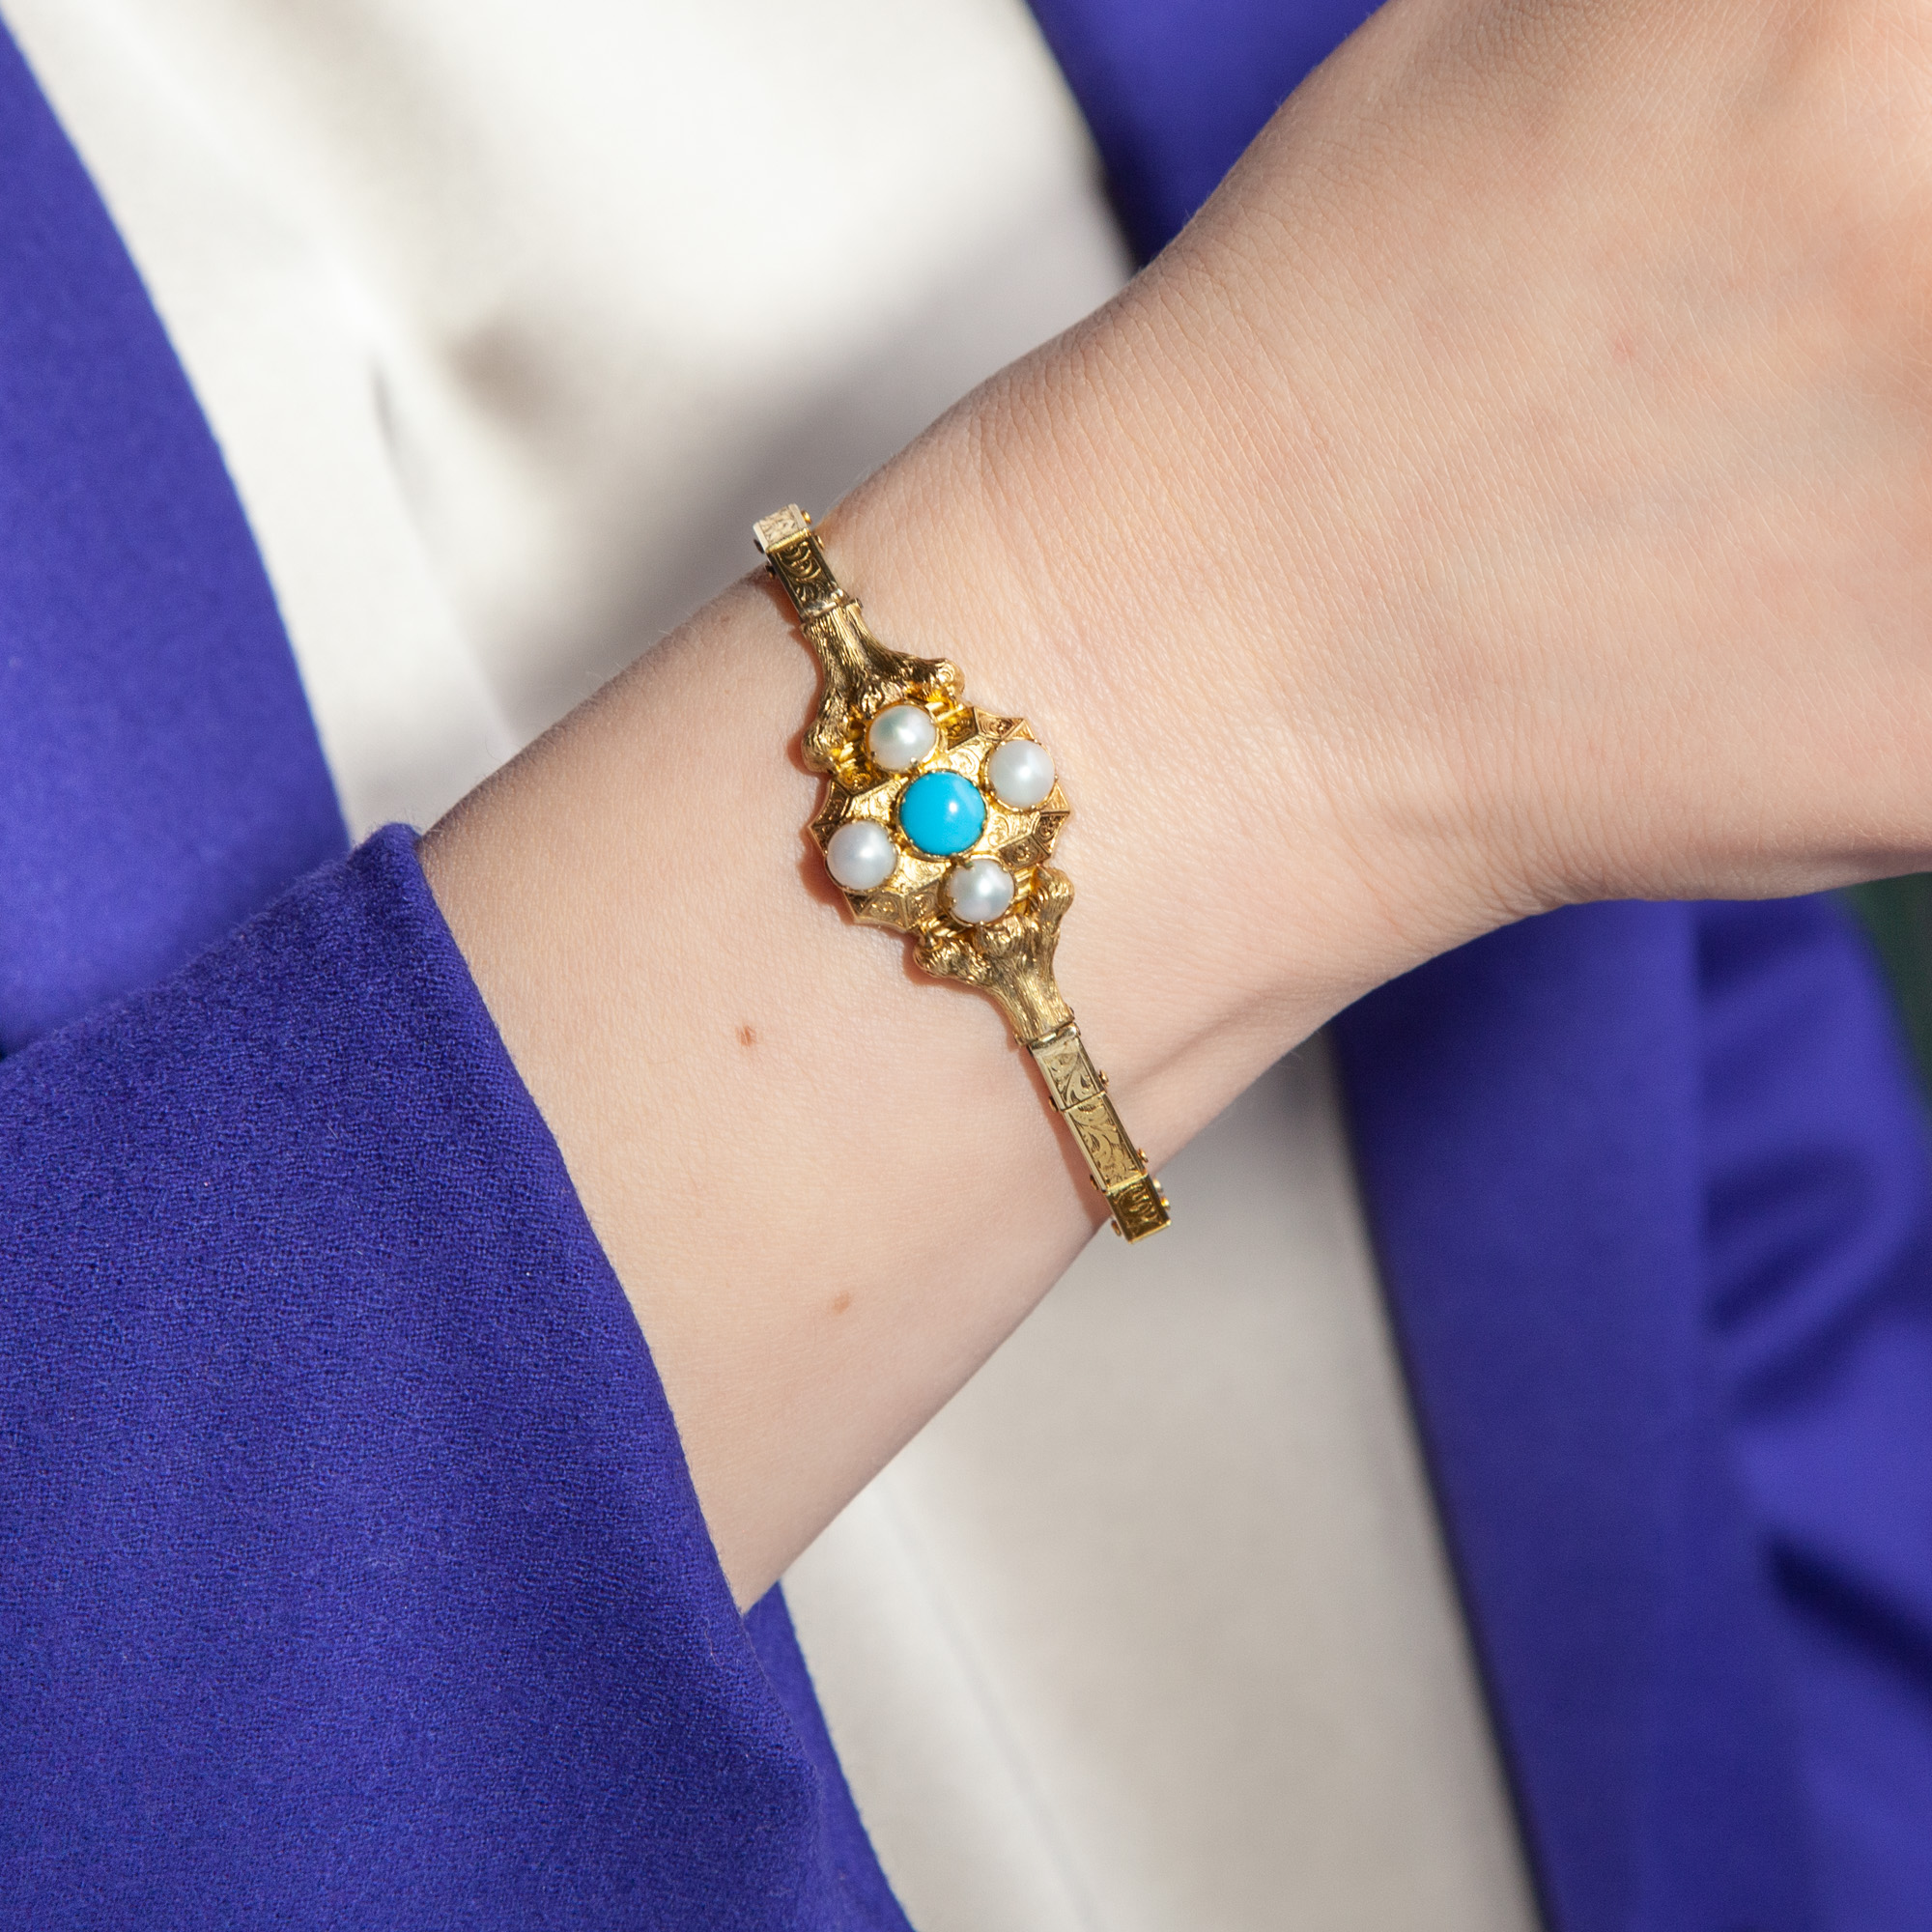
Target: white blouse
[{"x": 509, "y": 316}]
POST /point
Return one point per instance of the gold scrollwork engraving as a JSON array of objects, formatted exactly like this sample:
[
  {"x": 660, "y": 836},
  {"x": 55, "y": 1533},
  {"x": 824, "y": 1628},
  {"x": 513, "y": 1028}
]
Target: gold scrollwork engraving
[
  {"x": 1140, "y": 1208},
  {"x": 1071, "y": 1076}
]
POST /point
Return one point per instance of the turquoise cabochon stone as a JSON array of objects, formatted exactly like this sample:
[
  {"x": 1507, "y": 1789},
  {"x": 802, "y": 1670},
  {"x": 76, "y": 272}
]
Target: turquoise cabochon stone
[{"x": 942, "y": 813}]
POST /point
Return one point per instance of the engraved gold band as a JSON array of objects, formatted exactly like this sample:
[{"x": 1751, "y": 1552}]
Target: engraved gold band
[{"x": 938, "y": 820}]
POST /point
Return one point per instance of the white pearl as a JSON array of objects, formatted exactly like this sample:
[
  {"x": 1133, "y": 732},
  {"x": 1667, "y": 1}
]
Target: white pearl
[
  {"x": 861, "y": 855},
  {"x": 1021, "y": 772},
  {"x": 901, "y": 735},
  {"x": 979, "y": 891}
]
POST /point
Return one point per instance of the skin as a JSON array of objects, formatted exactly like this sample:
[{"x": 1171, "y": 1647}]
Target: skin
[{"x": 1511, "y": 490}]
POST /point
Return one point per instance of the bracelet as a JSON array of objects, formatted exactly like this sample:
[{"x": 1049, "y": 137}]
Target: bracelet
[{"x": 938, "y": 820}]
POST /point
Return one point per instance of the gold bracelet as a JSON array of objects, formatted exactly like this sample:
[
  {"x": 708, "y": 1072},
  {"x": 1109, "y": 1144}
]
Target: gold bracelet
[{"x": 938, "y": 820}]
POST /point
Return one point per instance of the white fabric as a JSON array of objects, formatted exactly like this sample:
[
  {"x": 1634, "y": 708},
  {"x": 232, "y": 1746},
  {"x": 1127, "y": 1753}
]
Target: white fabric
[{"x": 509, "y": 317}]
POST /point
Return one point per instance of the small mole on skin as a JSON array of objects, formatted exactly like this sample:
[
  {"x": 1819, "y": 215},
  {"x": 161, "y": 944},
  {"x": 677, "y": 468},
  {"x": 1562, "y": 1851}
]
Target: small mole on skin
[
  {"x": 841, "y": 1302},
  {"x": 747, "y": 1037}
]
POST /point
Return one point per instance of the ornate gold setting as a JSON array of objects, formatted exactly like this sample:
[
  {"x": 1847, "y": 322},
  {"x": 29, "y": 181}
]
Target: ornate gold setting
[{"x": 1008, "y": 958}]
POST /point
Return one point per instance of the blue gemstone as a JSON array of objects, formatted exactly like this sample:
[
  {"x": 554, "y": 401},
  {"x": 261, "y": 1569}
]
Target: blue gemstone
[{"x": 942, "y": 813}]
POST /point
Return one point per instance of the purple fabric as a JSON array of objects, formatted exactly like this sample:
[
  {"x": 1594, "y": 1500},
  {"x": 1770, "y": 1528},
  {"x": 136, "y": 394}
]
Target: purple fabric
[
  {"x": 1649, "y": 1190},
  {"x": 1818, "y": 1237},
  {"x": 1174, "y": 90},
  {"x": 141, "y": 819},
  {"x": 1527, "y": 1124},
  {"x": 352, "y": 1576}
]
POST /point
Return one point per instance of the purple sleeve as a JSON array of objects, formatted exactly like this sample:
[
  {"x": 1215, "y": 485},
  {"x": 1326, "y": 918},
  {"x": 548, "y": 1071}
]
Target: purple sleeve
[
  {"x": 353, "y": 1574},
  {"x": 1818, "y": 1229},
  {"x": 159, "y": 775},
  {"x": 1174, "y": 90},
  {"x": 1650, "y": 1194}
]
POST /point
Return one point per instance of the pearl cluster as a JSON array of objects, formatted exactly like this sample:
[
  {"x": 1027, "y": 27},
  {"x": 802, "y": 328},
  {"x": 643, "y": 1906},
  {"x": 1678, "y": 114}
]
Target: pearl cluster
[{"x": 941, "y": 813}]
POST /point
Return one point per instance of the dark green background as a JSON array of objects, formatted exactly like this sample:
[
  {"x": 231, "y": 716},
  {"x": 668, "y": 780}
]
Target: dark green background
[{"x": 1897, "y": 913}]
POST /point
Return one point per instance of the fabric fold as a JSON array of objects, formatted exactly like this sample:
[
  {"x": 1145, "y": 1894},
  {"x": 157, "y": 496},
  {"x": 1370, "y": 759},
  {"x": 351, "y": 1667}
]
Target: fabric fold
[{"x": 1527, "y": 1116}]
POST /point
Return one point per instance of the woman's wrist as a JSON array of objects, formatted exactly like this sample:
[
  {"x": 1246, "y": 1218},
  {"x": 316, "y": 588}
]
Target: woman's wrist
[{"x": 1031, "y": 537}]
